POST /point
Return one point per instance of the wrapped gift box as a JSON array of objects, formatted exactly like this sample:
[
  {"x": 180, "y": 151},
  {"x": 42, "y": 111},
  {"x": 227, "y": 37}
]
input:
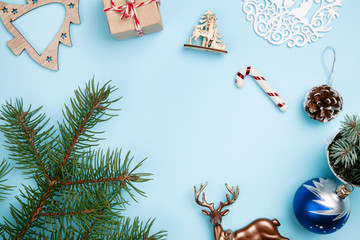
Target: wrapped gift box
[{"x": 149, "y": 17}]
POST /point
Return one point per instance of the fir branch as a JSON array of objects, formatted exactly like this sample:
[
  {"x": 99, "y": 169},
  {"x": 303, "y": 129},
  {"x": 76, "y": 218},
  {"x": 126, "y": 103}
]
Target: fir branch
[
  {"x": 79, "y": 191},
  {"x": 107, "y": 169},
  {"x": 87, "y": 109},
  {"x": 26, "y": 138},
  {"x": 68, "y": 213},
  {"x": 356, "y": 173},
  {"x": 36, "y": 212},
  {"x": 90, "y": 169},
  {"x": 345, "y": 148},
  {"x": 350, "y": 129},
  {"x": 135, "y": 230},
  {"x": 89, "y": 231},
  {"x": 121, "y": 179},
  {"x": 344, "y": 152},
  {"x": 30, "y": 134},
  {"x": 29, "y": 200},
  {"x": 4, "y": 170},
  {"x": 125, "y": 229}
]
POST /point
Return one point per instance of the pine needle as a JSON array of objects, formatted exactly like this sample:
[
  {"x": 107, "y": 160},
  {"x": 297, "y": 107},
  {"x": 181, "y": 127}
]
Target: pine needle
[{"x": 4, "y": 170}]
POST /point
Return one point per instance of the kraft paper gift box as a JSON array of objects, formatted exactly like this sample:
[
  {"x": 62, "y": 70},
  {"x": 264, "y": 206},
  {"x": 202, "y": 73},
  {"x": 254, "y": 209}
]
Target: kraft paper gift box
[{"x": 149, "y": 17}]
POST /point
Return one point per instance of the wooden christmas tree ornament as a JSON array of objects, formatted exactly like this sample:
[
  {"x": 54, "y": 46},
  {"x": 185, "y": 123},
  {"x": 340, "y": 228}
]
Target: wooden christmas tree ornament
[
  {"x": 209, "y": 32},
  {"x": 49, "y": 57}
]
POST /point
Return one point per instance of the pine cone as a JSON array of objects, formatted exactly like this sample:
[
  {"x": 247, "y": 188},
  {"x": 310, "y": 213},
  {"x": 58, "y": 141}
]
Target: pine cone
[{"x": 323, "y": 103}]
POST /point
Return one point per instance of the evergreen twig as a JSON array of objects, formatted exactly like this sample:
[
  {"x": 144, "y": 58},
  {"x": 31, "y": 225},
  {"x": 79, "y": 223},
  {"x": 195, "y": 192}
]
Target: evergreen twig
[
  {"x": 4, "y": 170},
  {"x": 356, "y": 173},
  {"x": 346, "y": 146},
  {"x": 346, "y": 149},
  {"x": 344, "y": 152},
  {"x": 79, "y": 190}
]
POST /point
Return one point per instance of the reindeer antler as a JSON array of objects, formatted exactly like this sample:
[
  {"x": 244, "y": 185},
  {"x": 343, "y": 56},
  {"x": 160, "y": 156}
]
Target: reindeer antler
[
  {"x": 203, "y": 203},
  {"x": 235, "y": 195}
]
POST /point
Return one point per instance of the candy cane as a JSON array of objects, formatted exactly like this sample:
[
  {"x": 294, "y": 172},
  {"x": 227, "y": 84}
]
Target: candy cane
[{"x": 262, "y": 83}]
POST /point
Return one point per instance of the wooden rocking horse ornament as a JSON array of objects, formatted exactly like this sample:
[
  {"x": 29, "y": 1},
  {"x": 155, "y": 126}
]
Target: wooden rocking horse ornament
[
  {"x": 261, "y": 229},
  {"x": 49, "y": 57}
]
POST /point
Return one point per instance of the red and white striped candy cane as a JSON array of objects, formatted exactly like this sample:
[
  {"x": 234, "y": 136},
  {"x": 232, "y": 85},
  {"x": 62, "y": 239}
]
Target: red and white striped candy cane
[{"x": 262, "y": 83}]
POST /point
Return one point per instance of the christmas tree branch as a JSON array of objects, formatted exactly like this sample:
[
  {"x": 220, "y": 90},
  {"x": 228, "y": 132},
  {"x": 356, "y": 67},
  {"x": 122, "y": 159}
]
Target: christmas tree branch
[
  {"x": 79, "y": 191},
  {"x": 121, "y": 179},
  {"x": 135, "y": 230},
  {"x": 81, "y": 129},
  {"x": 343, "y": 152},
  {"x": 25, "y": 137},
  {"x": 124, "y": 229},
  {"x": 354, "y": 126},
  {"x": 87, "y": 233},
  {"x": 350, "y": 128},
  {"x": 87, "y": 109},
  {"x": 30, "y": 134},
  {"x": 36, "y": 211},
  {"x": 89, "y": 170},
  {"x": 4, "y": 170},
  {"x": 87, "y": 211},
  {"x": 346, "y": 148},
  {"x": 356, "y": 173}
]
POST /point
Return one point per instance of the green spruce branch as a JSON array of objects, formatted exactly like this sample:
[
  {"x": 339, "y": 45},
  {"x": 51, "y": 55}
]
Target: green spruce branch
[
  {"x": 344, "y": 152},
  {"x": 4, "y": 188},
  {"x": 346, "y": 149},
  {"x": 80, "y": 192},
  {"x": 356, "y": 173}
]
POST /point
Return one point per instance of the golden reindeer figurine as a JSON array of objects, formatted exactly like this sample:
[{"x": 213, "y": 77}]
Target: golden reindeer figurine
[
  {"x": 209, "y": 32},
  {"x": 261, "y": 229}
]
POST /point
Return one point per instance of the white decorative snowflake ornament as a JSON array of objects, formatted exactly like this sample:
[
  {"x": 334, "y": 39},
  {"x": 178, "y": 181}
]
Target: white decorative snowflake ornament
[{"x": 295, "y": 22}]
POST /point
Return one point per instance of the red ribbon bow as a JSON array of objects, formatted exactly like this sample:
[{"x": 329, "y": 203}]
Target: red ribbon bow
[{"x": 129, "y": 10}]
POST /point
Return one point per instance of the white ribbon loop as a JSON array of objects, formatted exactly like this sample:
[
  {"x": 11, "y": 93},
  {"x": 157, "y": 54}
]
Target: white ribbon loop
[{"x": 331, "y": 75}]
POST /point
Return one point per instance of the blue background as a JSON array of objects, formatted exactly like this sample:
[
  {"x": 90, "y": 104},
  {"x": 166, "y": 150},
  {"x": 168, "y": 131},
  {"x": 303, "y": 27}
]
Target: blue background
[{"x": 182, "y": 109}]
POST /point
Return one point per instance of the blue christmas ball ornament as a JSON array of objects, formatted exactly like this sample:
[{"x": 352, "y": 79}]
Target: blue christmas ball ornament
[{"x": 322, "y": 206}]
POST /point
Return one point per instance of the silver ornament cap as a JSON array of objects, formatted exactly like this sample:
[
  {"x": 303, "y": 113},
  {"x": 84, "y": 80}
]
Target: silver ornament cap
[{"x": 343, "y": 191}]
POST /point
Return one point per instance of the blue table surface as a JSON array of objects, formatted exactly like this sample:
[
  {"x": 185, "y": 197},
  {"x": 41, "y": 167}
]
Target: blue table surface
[{"x": 181, "y": 109}]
